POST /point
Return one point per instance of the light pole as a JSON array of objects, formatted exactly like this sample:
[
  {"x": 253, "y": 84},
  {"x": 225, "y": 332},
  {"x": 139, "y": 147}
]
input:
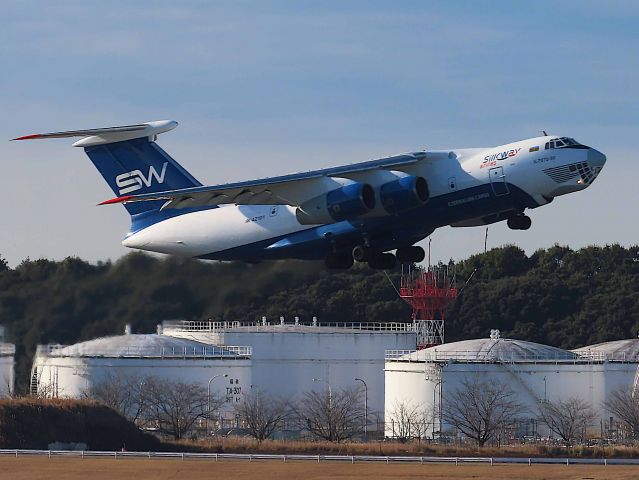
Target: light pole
[
  {"x": 330, "y": 392},
  {"x": 436, "y": 407},
  {"x": 365, "y": 405},
  {"x": 208, "y": 399}
]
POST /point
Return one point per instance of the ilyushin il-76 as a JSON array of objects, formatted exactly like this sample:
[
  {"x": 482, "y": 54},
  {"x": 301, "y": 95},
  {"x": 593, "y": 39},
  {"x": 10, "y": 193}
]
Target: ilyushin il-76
[{"x": 358, "y": 212}]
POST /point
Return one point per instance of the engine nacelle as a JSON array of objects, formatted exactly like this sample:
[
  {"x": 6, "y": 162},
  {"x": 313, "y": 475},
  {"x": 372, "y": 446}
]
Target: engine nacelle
[
  {"x": 344, "y": 203},
  {"x": 404, "y": 194}
]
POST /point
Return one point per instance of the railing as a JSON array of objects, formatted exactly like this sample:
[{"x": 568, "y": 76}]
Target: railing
[
  {"x": 474, "y": 356},
  {"x": 146, "y": 352},
  {"x": 596, "y": 356},
  {"x": 7, "y": 349},
  {"x": 195, "y": 326},
  {"x": 320, "y": 458},
  {"x": 398, "y": 354}
]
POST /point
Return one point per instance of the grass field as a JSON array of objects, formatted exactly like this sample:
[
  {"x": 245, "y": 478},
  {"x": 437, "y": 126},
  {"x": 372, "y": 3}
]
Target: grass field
[{"x": 32, "y": 468}]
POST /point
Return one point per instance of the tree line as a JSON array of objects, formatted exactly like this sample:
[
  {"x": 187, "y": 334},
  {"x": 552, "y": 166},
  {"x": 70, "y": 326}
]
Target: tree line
[{"x": 557, "y": 296}]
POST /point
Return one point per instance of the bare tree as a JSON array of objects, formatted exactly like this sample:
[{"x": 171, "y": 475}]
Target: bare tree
[
  {"x": 409, "y": 421},
  {"x": 481, "y": 409},
  {"x": 175, "y": 406},
  {"x": 263, "y": 414},
  {"x": 332, "y": 416},
  {"x": 568, "y": 419},
  {"x": 124, "y": 392},
  {"x": 622, "y": 404}
]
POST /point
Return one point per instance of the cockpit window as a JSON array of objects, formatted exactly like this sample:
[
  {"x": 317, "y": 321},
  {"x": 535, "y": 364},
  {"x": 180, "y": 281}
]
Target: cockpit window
[{"x": 563, "y": 142}]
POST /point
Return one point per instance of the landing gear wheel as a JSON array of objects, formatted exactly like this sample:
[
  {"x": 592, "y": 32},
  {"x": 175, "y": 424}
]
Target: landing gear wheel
[
  {"x": 519, "y": 222},
  {"x": 383, "y": 261},
  {"x": 336, "y": 261},
  {"x": 410, "y": 254},
  {"x": 361, "y": 253}
]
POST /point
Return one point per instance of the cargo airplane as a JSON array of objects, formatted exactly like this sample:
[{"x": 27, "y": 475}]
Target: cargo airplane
[{"x": 357, "y": 212}]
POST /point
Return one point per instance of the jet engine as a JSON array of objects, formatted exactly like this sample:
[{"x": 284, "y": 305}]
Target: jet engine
[
  {"x": 404, "y": 194},
  {"x": 344, "y": 203}
]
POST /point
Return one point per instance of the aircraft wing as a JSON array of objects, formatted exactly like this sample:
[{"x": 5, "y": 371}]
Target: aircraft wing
[{"x": 293, "y": 189}]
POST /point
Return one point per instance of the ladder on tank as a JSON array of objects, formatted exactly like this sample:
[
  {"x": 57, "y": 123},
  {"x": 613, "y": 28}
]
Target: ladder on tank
[
  {"x": 33, "y": 387},
  {"x": 522, "y": 382},
  {"x": 635, "y": 385}
]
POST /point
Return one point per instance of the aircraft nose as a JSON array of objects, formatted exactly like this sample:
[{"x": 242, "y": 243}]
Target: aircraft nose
[{"x": 596, "y": 158}]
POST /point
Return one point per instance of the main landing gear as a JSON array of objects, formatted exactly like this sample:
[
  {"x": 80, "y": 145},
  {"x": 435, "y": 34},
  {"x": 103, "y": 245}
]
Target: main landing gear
[
  {"x": 519, "y": 222},
  {"x": 338, "y": 261},
  {"x": 376, "y": 260},
  {"x": 410, "y": 254}
]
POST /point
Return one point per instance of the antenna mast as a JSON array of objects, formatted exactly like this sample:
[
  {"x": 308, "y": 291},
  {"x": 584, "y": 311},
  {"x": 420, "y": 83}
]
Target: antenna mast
[{"x": 429, "y": 291}]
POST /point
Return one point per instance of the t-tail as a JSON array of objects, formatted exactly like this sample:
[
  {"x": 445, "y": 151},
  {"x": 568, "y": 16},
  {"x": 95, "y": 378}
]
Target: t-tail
[{"x": 131, "y": 162}]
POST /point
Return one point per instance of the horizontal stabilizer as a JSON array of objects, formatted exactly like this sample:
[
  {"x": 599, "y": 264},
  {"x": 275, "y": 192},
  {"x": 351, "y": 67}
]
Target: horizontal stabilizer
[{"x": 101, "y": 136}]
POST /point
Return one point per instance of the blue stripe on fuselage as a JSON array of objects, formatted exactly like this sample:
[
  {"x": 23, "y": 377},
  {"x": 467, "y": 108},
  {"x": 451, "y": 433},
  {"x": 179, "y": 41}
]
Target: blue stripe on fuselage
[{"x": 384, "y": 233}]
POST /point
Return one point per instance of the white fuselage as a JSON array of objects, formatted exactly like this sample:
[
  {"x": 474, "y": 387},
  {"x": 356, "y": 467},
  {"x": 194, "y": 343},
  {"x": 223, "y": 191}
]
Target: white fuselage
[{"x": 459, "y": 181}]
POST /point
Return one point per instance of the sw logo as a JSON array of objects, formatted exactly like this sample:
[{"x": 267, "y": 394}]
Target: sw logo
[{"x": 131, "y": 181}]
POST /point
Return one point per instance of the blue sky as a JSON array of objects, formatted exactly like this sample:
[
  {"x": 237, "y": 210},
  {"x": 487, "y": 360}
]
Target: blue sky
[{"x": 264, "y": 88}]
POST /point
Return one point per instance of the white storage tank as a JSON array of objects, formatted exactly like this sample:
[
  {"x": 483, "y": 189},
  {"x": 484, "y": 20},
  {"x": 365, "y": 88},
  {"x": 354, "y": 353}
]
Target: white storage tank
[
  {"x": 292, "y": 358},
  {"x": 535, "y": 372},
  {"x": 619, "y": 358},
  {"x": 70, "y": 371},
  {"x": 7, "y": 364}
]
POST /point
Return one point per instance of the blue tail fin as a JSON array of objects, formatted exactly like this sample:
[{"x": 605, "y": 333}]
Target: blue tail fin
[{"x": 139, "y": 166}]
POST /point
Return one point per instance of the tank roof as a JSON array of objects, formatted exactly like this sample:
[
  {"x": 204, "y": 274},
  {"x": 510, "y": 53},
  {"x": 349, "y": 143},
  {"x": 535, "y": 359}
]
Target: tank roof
[
  {"x": 487, "y": 350},
  {"x": 619, "y": 350},
  {"x": 142, "y": 345}
]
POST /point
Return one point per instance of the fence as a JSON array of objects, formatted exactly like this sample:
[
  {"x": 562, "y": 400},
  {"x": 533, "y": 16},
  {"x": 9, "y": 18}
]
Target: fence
[{"x": 320, "y": 458}]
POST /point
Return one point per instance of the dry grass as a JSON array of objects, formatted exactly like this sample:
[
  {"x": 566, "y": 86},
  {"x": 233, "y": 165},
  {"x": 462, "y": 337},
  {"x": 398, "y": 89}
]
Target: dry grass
[
  {"x": 248, "y": 445},
  {"x": 35, "y": 468}
]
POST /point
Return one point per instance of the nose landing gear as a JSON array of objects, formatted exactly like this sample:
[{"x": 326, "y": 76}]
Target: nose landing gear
[{"x": 519, "y": 222}]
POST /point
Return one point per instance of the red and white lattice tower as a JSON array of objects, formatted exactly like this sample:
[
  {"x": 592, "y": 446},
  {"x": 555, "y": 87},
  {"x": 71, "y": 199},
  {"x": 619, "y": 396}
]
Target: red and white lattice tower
[{"x": 429, "y": 291}]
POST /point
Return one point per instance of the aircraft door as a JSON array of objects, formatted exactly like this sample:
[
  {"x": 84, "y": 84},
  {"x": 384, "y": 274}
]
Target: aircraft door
[{"x": 498, "y": 181}]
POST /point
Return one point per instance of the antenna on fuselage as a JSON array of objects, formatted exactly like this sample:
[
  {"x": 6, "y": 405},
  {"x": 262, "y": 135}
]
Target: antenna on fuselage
[{"x": 544, "y": 132}]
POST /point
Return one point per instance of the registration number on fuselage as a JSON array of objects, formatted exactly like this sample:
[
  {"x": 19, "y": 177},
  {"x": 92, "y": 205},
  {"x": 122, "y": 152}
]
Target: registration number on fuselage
[{"x": 544, "y": 159}]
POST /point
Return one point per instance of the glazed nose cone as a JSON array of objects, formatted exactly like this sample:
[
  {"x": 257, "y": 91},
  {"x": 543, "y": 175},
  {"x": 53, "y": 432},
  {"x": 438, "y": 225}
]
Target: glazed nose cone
[{"x": 596, "y": 158}]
